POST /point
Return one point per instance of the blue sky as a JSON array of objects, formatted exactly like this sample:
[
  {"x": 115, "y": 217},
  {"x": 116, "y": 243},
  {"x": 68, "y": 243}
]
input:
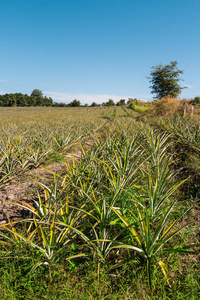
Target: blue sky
[{"x": 94, "y": 50}]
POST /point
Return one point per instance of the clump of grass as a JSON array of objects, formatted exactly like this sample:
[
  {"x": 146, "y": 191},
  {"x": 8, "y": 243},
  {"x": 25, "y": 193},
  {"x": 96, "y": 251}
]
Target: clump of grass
[{"x": 137, "y": 108}]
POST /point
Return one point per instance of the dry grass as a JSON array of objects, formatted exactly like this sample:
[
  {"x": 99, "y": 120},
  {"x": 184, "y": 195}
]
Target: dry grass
[{"x": 169, "y": 106}]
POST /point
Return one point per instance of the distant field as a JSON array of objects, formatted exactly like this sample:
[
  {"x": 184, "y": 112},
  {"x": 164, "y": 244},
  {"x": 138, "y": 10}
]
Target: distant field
[{"x": 53, "y": 114}]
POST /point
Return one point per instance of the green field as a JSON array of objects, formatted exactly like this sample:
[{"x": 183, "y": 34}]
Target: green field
[{"x": 98, "y": 203}]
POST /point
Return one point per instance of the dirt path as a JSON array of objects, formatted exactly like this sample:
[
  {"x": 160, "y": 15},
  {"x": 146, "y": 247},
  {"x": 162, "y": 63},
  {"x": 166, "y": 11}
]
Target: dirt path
[{"x": 23, "y": 187}]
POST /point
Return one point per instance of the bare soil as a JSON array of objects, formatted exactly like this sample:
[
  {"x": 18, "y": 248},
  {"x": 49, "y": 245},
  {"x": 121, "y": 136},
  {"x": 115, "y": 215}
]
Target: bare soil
[{"x": 24, "y": 188}]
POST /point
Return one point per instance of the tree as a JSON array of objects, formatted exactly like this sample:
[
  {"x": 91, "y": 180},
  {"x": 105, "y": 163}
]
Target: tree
[
  {"x": 11, "y": 99},
  {"x": 47, "y": 101},
  {"x": 165, "y": 80},
  {"x": 121, "y": 102},
  {"x": 37, "y": 97},
  {"x": 195, "y": 101},
  {"x": 21, "y": 99},
  {"x": 110, "y": 102},
  {"x": 37, "y": 93},
  {"x": 75, "y": 103},
  {"x": 94, "y": 104}
]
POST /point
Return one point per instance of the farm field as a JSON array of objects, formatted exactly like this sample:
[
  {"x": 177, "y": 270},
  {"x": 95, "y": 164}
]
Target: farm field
[{"x": 98, "y": 203}]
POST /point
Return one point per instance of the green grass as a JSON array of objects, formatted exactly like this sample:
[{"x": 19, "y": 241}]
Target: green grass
[{"x": 82, "y": 282}]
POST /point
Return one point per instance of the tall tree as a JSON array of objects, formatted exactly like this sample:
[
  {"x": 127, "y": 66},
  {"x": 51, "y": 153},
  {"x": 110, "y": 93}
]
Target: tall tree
[
  {"x": 37, "y": 93},
  {"x": 37, "y": 97},
  {"x": 165, "y": 80}
]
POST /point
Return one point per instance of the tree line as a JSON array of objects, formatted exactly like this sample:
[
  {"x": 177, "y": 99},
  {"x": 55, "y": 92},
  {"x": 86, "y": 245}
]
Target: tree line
[
  {"x": 18, "y": 99},
  {"x": 77, "y": 103},
  {"x": 37, "y": 99},
  {"x": 164, "y": 79}
]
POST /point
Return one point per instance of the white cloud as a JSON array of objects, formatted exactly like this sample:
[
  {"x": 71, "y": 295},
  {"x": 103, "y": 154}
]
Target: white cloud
[
  {"x": 84, "y": 98},
  {"x": 189, "y": 86},
  {"x": 145, "y": 97},
  {"x": 3, "y": 92},
  {"x": 2, "y": 80}
]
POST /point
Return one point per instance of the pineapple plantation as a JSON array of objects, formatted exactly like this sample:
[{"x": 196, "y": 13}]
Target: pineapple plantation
[{"x": 98, "y": 203}]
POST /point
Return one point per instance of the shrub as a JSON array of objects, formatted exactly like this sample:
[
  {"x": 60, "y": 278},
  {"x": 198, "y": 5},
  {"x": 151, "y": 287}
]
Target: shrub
[
  {"x": 169, "y": 106},
  {"x": 195, "y": 101}
]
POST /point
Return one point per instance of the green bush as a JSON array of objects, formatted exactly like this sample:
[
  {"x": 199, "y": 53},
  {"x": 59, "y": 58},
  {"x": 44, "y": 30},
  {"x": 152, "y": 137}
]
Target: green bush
[{"x": 137, "y": 108}]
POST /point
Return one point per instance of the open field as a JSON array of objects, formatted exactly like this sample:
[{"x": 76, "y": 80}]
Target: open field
[{"x": 98, "y": 203}]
